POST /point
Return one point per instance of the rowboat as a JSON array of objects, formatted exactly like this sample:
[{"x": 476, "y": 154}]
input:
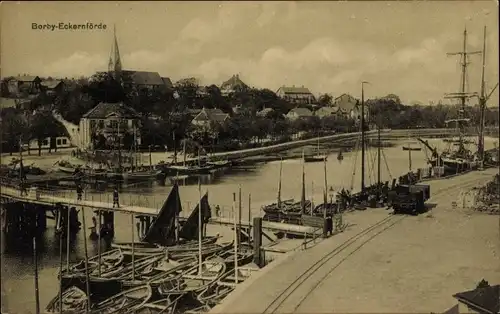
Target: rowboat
[
  {"x": 244, "y": 272},
  {"x": 207, "y": 250},
  {"x": 74, "y": 300},
  {"x": 217, "y": 291},
  {"x": 164, "y": 306},
  {"x": 214, "y": 294},
  {"x": 219, "y": 163},
  {"x": 227, "y": 256},
  {"x": 316, "y": 158},
  {"x": 154, "y": 274},
  {"x": 140, "y": 248},
  {"x": 193, "y": 281},
  {"x": 109, "y": 260},
  {"x": 125, "y": 302}
]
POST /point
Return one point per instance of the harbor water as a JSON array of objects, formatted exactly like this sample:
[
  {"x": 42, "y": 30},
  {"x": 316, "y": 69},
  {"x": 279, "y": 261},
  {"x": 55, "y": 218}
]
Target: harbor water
[{"x": 17, "y": 284}]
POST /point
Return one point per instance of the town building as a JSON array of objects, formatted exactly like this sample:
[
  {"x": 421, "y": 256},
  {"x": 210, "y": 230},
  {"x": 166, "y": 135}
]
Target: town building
[
  {"x": 326, "y": 112},
  {"x": 348, "y": 107},
  {"x": 110, "y": 120},
  {"x": 483, "y": 299},
  {"x": 52, "y": 87},
  {"x": 299, "y": 113},
  {"x": 24, "y": 84},
  {"x": 232, "y": 85},
  {"x": 207, "y": 118},
  {"x": 137, "y": 80},
  {"x": 296, "y": 95}
]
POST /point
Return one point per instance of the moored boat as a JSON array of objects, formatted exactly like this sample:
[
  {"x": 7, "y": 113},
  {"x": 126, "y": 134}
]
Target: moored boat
[
  {"x": 193, "y": 281},
  {"x": 125, "y": 302},
  {"x": 74, "y": 300},
  {"x": 164, "y": 306},
  {"x": 316, "y": 158}
]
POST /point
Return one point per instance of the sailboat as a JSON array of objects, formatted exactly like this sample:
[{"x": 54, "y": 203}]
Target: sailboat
[
  {"x": 186, "y": 169},
  {"x": 459, "y": 158},
  {"x": 318, "y": 157},
  {"x": 287, "y": 210}
]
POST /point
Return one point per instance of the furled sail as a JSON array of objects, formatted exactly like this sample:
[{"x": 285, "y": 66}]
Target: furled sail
[
  {"x": 162, "y": 230},
  {"x": 189, "y": 230}
]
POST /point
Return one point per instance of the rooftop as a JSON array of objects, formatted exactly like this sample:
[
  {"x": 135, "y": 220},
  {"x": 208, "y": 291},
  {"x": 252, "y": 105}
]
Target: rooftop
[
  {"x": 105, "y": 110},
  {"x": 302, "y": 112},
  {"x": 143, "y": 78},
  {"x": 212, "y": 115},
  {"x": 485, "y": 299},
  {"x": 233, "y": 82},
  {"x": 295, "y": 90}
]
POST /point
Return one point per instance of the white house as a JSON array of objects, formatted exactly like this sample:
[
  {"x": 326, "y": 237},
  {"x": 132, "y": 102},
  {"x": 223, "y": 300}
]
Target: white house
[
  {"x": 296, "y": 95},
  {"x": 108, "y": 119},
  {"x": 299, "y": 113}
]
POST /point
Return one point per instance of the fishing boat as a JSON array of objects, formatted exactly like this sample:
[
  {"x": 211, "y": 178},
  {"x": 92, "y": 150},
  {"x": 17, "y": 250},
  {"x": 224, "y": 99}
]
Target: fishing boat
[
  {"x": 155, "y": 273},
  {"x": 245, "y": 256},
  {"x": 193, "y": 281},
  {"x": 219, "y": 163},
  {"x": 207, "y": 250},
  {"x": 125, "y": 302},
  {"x": 318, "y": 157},
  {"x": 74, "y": 300},
  {"x": 140, "y": 248},
  {"x": 66, "y": 167},
  {"x": 109, "y": 260},
  {"x": 164, "y": 306}
]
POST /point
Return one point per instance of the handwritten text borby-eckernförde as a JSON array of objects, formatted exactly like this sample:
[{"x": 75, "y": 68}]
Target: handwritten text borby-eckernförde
[{"x": 68, "y": 26}]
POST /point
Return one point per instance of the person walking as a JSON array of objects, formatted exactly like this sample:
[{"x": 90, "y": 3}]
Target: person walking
[
  {"x": 115, "y": 198},
  {"x": 217, "y": 211},
  {"x": 79, "y": 191},
  {"x": 329, "y": 223}
]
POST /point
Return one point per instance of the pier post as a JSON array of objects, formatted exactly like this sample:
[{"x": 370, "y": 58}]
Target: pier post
[
  {"x": 148, "y": 223},
  {"x": 257, "y": 240},
  {"x": 41, "y": 218},
  {"x": 109, "y": 223}
]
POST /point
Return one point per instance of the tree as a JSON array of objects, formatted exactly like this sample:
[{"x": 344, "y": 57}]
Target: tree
[
  {"x": 42, "y": 126},
  {"x": 325, "y": 100},
  {"x": 13, "y": 127}
]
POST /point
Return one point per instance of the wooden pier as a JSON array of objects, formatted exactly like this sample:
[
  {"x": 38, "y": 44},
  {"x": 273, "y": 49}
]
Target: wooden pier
[{"x": 36, "y": 197}]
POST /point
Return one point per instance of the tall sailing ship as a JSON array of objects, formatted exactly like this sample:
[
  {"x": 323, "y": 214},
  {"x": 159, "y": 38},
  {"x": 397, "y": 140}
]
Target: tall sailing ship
[{"x": 459, "y": 156}]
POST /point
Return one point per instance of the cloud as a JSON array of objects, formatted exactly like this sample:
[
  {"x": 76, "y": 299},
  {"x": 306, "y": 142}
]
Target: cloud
[{"x": 77, "y": 64}]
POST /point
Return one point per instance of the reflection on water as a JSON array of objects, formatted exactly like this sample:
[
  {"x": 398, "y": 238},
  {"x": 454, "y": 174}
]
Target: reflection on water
[{"x": 261, "y": 182}]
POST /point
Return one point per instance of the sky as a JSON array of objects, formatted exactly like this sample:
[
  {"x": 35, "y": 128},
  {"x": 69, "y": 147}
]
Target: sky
[{"x": 329, "y": 47}]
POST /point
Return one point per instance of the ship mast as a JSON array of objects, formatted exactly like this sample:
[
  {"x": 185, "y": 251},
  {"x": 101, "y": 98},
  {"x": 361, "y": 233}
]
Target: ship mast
[
  {"x": 462, "y": 95},
  {"x": 363, "y": 136},
  {"x": 482, "y": 106}
]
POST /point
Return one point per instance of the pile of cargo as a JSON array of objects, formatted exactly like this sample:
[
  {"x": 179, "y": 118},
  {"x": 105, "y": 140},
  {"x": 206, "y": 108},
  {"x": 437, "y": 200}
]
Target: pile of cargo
[{"x": 488, "y": 197}]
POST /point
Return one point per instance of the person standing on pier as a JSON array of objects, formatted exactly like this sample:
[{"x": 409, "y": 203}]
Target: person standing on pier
[
  {"x": 115, "y": 198},
  {"x": 79, "y": 191}
]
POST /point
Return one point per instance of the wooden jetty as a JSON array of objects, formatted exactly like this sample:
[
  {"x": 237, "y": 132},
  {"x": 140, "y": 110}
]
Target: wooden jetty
[{"x": 36, "y": 198}]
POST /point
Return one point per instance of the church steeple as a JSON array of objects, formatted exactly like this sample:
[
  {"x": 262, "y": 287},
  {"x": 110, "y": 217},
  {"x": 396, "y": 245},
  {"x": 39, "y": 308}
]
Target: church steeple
[{"x": 115, "y": 63}]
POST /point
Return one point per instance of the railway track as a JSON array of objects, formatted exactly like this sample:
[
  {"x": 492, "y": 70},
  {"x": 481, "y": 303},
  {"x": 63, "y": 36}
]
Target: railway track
[{"x": 348, "y": 246}]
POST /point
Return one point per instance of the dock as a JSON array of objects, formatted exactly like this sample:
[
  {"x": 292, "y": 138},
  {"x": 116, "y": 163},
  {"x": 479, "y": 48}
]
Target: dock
[{"x": 38, "y": 198}]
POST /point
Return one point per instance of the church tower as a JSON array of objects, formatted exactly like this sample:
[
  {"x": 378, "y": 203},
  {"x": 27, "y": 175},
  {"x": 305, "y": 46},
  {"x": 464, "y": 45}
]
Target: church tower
[{"x": 115, "y": 63}]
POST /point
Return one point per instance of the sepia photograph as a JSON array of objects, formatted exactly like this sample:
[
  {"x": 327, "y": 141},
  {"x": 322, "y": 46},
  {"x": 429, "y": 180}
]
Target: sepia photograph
[{"x": 184, "y": 157}]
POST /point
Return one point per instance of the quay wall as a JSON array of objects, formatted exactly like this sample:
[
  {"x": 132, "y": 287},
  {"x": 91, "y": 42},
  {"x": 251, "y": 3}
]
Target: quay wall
[{"x": 276, "y": 148}]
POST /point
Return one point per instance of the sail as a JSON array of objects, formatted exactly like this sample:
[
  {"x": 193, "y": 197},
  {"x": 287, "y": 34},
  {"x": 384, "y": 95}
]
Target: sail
[
  {"x": 189, "y": 230},
  {"x": 162, "y": 230}
]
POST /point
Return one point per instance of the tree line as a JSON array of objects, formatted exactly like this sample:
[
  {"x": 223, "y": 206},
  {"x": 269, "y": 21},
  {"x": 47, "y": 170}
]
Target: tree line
[{"x": 166, "y": 113}]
